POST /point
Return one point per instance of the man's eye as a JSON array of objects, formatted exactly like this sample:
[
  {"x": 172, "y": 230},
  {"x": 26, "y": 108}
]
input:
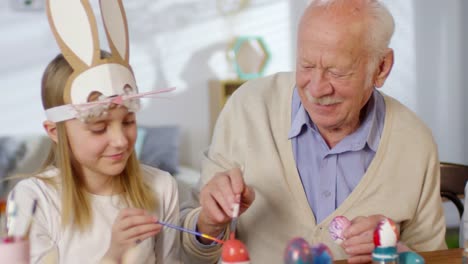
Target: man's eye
[
  {"x": 129, "y": 122},
  {"x": 337, "y": 74}
]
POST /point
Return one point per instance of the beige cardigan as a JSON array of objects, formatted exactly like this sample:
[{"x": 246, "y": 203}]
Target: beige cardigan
[{"x": 402, "y": 182}]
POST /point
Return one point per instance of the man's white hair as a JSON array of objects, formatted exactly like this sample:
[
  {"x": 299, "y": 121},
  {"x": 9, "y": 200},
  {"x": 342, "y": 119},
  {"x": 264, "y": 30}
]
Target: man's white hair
[{"x": 380, "y": 22}]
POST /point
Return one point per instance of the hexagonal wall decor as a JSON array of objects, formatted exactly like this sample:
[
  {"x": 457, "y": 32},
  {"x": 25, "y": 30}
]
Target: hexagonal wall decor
[{"x": 250, "y": 56}]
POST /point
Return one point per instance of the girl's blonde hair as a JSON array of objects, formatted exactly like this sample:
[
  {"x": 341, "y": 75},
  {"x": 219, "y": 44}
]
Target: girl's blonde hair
[{"x": 76, "y": 207}]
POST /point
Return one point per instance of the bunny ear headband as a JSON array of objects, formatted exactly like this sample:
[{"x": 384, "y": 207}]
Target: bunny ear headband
[{"x": 74, "y": 27}]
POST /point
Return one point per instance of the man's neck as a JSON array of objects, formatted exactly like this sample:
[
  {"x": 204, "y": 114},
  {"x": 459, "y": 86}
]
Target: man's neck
[{"x": 333, "y": 136}]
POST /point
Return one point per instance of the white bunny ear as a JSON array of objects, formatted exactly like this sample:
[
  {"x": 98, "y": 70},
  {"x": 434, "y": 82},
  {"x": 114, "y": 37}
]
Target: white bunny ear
[
  {"x": 74, "y": 27},
  {"x": 115, "y": 23}
]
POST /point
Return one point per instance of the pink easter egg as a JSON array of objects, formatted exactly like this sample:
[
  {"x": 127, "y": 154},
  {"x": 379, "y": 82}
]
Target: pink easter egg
[{"x": 336, "y": 228}]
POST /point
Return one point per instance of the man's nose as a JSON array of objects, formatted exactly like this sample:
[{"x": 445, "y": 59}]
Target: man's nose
[{"x": 319, "y": 85}]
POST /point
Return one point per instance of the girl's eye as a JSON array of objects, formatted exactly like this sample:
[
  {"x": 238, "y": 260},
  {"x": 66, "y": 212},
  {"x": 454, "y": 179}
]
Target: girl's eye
[
  {"x": 98, "y": 131},
  {"x": 97, "y": 128}
]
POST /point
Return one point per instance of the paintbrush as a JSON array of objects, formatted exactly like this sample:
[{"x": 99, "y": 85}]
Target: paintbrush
[
  {"x": 235, "y": 214},
  {"x": 12, "y": 212},
  {"x": 190, "y": 232},
  {"x": 28, "y": 229},
  {"x": 235, "y": 210},
  {"x": 3, "y": 219}
]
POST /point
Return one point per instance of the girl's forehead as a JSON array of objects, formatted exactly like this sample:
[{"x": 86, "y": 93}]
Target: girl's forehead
[{"x": 118, "y": 112}]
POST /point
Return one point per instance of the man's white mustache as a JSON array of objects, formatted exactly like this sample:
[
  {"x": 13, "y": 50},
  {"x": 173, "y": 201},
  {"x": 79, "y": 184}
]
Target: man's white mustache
[{"x": 326, "y": 100}]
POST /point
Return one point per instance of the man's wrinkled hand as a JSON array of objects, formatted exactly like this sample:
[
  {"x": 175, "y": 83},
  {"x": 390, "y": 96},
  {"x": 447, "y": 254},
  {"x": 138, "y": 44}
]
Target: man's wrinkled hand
[
  {"x": 359, "y": 238},
  {"x": 217, "y": 198}
]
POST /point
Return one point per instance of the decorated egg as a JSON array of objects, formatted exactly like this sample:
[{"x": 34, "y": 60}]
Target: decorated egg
[
  {"x": 298, "y": 251},
  {"x": 234, "y": 252},
  {"x": 321, "y": 254},
  {"x": 336, "y": 228},
  {"x": 386, "y": 234}
]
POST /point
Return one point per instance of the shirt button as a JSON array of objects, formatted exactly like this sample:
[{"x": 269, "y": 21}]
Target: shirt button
[
  {"x": 317, "y": 232},
  {"x": 326, "y": 194}
]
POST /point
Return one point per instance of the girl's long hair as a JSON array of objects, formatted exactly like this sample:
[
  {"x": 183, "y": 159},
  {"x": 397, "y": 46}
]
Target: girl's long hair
[{"x": 76, "y": 207}]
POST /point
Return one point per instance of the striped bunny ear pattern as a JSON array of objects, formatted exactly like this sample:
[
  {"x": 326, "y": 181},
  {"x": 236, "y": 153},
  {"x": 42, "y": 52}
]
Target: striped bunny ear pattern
[{"x": 74, "y": 26}]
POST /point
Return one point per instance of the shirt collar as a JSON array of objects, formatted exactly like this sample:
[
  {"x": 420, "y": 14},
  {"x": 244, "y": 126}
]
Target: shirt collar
[
  {"x": 368, "y": 132},
  {"x": 299, "y": 116},
  {"x": 376, "y": 105}
]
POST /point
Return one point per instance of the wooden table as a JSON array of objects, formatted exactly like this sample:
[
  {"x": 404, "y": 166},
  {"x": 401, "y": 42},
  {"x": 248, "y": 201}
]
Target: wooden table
[{"x": 448, "y": 256}]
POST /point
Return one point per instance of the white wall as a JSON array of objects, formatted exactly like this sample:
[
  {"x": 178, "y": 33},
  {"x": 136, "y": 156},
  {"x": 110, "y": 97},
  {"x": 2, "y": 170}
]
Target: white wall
[
  {"x": 179, "y": 43},
  {"x": 190, "y": 53},
  {"x": 441, "y": 74},
  {"x": 26, "y": 46}
]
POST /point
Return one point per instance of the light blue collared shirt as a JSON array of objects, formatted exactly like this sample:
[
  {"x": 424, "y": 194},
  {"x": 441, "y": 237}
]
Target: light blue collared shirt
[{"x": 330, "y": 175}]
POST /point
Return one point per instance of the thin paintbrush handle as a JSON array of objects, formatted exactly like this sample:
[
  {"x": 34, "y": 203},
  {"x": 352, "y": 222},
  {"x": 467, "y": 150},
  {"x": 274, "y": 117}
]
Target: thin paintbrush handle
[
  {"x": 28, "y": 229},
  {"x": 12, "y": 213},
  {"x": 190, "y": 231},
  {"x": 235, "y": 214}
]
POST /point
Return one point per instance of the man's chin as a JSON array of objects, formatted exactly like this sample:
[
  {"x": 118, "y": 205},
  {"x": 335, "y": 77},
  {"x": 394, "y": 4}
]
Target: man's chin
[{"x": 326, "y": 123}]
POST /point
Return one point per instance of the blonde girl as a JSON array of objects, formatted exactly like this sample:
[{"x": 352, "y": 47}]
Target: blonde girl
[{"x": 95, "y": 200}]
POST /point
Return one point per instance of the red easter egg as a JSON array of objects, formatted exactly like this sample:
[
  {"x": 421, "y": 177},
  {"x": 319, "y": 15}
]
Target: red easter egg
[
  {"x": 234, "y": 251},
  {"x": 386, "y": 234}
]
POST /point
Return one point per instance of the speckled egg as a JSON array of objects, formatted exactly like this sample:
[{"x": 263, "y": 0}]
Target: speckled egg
[
  {"x": 298, "y": 251},
  {"x": 321, "y": 254}
]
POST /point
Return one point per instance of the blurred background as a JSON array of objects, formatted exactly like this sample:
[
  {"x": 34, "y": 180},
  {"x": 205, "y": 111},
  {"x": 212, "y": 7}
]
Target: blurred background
[{"x": 186, "y": 44}]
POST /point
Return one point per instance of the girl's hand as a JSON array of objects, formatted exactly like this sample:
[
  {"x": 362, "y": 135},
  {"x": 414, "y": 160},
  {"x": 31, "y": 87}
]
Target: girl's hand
[{"x": 131, "y": 227}]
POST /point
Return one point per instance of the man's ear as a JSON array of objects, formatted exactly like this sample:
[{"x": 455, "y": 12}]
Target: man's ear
[
  {"x": 384, "y": 68},
  {"x": 51, "y": 130}
]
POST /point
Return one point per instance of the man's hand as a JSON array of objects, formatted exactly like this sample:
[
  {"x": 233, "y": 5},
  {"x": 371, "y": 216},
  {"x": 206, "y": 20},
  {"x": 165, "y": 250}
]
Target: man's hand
[
  {"x": 217, "y": 198},
  {"x": 359, "y": 238}
]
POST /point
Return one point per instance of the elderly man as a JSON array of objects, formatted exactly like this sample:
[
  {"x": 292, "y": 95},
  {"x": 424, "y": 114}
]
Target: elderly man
[{"x": 297, "y": 152}]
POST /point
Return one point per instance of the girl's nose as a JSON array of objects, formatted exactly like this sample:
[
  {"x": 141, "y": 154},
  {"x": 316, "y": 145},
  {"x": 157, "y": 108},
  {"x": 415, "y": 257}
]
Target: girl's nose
[{"x": 118, "y": 137}]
